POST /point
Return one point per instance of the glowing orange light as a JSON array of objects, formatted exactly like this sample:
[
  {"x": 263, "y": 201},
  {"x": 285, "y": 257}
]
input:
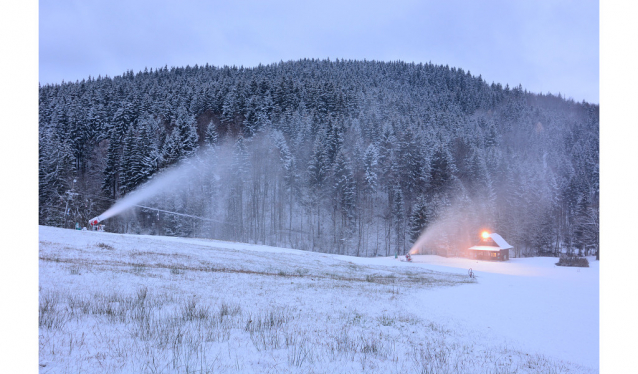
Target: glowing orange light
[{"x": 485, "y": 234}]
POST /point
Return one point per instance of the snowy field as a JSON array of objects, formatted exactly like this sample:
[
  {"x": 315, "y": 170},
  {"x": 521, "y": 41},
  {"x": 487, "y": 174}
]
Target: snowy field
[{"x": 113, "y": 303}]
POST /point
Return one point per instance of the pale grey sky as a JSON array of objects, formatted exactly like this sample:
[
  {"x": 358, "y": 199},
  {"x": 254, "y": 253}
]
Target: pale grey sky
[{"x": 545, "y": 45}]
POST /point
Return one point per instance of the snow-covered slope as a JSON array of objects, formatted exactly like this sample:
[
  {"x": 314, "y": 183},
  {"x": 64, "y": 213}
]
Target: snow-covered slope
[
  {"x": 530, "y": 301},
  {"x": 124, "y": 303}
]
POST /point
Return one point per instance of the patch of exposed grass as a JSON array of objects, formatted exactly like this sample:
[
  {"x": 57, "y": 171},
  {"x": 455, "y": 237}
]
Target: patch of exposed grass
[
  {"x": 386, "y": 320},
  {"x": 176, "y": 271},
  {"x": 74, "y": 270},
  {"x": 105, "y": 246},
  {"x": 139, "y": 269}
]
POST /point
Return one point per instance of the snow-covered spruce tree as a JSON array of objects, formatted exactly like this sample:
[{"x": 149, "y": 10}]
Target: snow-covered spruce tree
[
  {"x": 370, "y": 161},
  {"x": 419, "y": 219},
  {"x": 187, "y": 134},
  {"x": 251, "y": 122},
  {"x": 56, "y": 175},
  {"x": 290, "y": 177},
  {"x": 111, "y": 183},
  {"x": 130, "y": 161},
  {"x": 147, "y": 153},
  {"x": 442, "y": 170},
  {"x": 398, "y": 219},
  {"x": 343, "y": 200},
  {"x": 171, "y": 150},
  {"x": 230, "y": 110},
  {"x": 211, "y": 137},
  {"x": 234, "y": 222},
  {"x": 123, "y": 119},
  {"x": 412, "y": 165},
  {"x": 317, "y": 175}
]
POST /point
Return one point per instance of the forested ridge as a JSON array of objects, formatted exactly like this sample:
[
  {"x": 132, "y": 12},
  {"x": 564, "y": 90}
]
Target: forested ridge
[{"x": 349, "y": 157}]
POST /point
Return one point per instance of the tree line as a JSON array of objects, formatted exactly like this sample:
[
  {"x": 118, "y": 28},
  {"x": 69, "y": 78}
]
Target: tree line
[{"x": 349, "y": 157}]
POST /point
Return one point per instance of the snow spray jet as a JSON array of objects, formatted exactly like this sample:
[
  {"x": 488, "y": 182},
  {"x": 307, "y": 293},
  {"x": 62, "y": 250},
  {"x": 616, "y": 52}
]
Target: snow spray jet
[
  {"x": 431, "y": 234},
  {"x": 156, "y": 185},
  {"x": 451, "y": 229},
  {"x": 218, "y": 161}
]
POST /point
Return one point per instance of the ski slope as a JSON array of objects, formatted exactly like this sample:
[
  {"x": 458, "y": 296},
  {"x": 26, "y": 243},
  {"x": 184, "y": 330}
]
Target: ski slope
[{"x": 125, "y": 303}]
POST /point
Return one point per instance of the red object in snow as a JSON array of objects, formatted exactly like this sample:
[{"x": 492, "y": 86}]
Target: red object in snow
[{"x": 95, "y": 221}]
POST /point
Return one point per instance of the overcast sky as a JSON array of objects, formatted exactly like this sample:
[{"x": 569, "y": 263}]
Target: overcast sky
[{"x": 545, "y": 45}]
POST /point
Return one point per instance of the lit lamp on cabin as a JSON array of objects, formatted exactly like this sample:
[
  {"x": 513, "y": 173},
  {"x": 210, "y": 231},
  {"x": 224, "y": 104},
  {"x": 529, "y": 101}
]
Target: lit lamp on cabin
[{"x": 485, "y": 235}]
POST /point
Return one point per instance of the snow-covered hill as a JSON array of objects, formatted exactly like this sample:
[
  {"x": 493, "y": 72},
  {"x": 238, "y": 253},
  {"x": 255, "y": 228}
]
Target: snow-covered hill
[{"x": 124, "y": 303}]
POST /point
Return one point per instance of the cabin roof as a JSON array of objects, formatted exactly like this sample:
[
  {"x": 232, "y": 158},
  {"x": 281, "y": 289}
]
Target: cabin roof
[
  {"x": 500, "y": 241},
  {"x": 497, "y": 243}
]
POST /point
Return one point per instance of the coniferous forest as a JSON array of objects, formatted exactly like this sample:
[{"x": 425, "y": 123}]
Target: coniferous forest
[{"x": 347, "y": 157}]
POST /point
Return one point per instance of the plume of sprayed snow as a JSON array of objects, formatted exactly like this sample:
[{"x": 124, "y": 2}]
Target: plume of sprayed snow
[
  {"x": 216, "y": 163},
  {"x": 456, "y": 228},
  {"x": 155, "y": 186},
  {"x": 430, "y": 234}
]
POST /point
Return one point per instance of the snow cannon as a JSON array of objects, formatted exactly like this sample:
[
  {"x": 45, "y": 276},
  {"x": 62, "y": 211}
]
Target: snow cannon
[{"x": 95, "y": 221}]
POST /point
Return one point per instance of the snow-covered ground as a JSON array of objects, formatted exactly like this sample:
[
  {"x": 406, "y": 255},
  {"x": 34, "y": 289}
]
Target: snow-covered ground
[
  {"x": 125, "y": 303},
  {"x": 530, "y": 301}
]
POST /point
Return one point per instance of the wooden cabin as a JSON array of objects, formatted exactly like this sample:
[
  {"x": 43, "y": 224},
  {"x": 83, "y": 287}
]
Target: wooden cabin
[{"x": 492, "y": 248}]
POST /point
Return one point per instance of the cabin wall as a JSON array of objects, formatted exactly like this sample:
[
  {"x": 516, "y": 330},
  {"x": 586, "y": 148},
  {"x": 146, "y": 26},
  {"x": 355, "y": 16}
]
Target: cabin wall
[{"x": 502, "y": 255}]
